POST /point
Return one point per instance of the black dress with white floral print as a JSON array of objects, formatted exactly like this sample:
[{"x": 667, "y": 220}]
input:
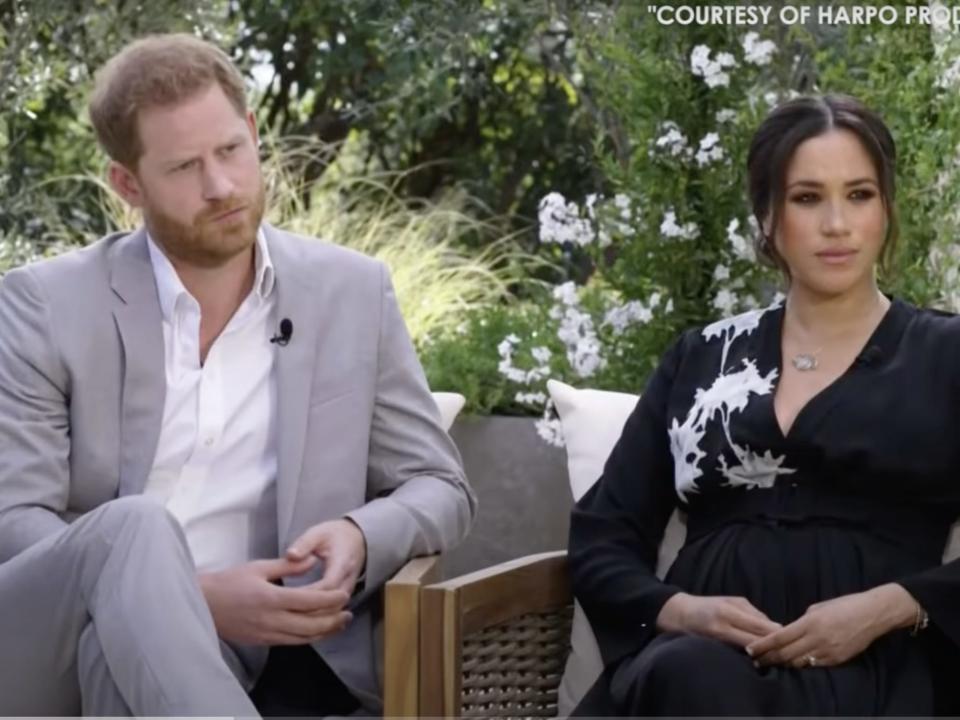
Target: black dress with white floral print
[{"x": 861, "y": 491}]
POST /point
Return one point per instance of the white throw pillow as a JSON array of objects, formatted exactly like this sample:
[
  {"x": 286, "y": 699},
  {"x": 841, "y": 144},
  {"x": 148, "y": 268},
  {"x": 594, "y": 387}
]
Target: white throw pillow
[
  {"x": 592, "y": 422},
  {"x": 450, "y": 405}
]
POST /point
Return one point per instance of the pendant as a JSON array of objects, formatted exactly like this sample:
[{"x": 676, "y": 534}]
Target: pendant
[{"x": 804, "y": 362}]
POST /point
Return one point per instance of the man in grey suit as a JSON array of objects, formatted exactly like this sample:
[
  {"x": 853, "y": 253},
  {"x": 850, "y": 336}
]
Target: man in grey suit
[{"x": 216, "y": 441}]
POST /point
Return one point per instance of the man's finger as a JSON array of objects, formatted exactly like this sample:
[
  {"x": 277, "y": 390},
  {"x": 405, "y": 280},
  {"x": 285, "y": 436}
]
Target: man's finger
[
  {"x": 308, "y": 543},
  {"x": 279, "y": 568},
  {"x": 310, "y": 599},
  {"x": 310, "y": 627},
  {"x": 338, "y": 572}
]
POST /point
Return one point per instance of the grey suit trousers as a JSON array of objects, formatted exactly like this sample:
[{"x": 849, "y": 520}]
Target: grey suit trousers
[{"x": 106, "y": 618}]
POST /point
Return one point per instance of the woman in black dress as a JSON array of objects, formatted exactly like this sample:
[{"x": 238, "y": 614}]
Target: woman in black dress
[{"x": 812, "y": 446}]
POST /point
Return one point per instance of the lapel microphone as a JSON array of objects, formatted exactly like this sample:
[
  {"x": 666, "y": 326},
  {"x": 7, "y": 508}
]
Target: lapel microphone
[{"x": 286, "y": 332}]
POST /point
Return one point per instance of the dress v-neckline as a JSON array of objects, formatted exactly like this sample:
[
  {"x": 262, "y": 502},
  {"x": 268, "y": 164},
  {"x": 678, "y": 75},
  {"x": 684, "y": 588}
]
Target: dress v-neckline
[{"x": 882, "y": 337}]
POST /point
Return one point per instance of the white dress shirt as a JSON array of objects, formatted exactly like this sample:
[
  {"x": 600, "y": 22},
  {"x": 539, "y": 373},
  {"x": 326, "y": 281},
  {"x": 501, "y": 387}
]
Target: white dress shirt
[{"x": 216, "y": 464}]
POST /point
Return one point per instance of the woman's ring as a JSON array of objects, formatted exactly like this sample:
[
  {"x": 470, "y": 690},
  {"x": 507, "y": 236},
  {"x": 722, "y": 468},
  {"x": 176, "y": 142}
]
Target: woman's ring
[{"x": 811, "y": 661}]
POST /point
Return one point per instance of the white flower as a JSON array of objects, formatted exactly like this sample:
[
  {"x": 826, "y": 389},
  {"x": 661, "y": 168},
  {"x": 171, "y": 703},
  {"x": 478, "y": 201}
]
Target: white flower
[
  {"x": 757, "y": 51},
  {"x": 950, "y": 77},
  {"x": 622, "y": 316},
  {"x": 711, "y": 70},
  {"x": 506, "y": 368},
  {"x": 534, "y": 398},
  {"x": 710, "y": 149},
  {"x": 771, "y": 98},
  {"x": 566, "y": 293},
  {"x": 725, "y": 301},
  {"x": 721, "y": 273},
  {"x": 550, "y": 430},
  {"x": 742, "y": 247},
  {"x": 560, "y": 222},
  {"x": 505, "y": 348},
  {"x": 624, "y": 205},
  {"x": 590, "y": 204},
  {"x": 541, "y": 354},
  {"x": 670, "y": 229},
  {"x": 586, "y": 358},
  {"x": 726, "y": 115},
  {"x": 577, "y": 332},
  {"x": 672, "y": 141},
  {"x": 725, "y": 59}
]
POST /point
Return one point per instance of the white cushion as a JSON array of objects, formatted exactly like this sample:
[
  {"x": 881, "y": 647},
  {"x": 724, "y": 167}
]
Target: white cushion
[
  {"x": 592, "y": 422},
  {"x": 450, "y": 405}
]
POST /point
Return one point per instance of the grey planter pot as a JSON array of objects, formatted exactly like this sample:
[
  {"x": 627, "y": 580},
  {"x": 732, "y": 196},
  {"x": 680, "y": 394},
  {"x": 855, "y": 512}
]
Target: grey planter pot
[{"x": 522, "y": 488}]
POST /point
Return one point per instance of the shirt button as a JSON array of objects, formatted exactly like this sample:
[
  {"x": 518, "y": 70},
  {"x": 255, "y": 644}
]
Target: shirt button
[{"x": 208, "y": 442}]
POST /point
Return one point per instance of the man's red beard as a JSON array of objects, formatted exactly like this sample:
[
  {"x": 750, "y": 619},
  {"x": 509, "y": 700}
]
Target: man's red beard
[{"x": 211, "y": 239}]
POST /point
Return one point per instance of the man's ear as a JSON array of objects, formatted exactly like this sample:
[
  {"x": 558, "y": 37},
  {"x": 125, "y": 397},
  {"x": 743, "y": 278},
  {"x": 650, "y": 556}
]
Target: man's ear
[{"x": 124, "y": 182}]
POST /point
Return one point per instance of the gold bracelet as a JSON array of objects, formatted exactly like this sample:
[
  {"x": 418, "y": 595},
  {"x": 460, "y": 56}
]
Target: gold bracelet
[{"x": 921, "y": 621}]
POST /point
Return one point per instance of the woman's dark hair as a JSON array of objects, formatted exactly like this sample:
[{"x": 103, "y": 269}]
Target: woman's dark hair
[{"x": 776, "y": 140}]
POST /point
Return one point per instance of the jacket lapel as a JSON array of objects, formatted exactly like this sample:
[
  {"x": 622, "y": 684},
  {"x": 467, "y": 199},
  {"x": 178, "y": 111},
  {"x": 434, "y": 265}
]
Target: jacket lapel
[
  {"x": 296, "y": 301},
  {"x": 140, "y": 325}
]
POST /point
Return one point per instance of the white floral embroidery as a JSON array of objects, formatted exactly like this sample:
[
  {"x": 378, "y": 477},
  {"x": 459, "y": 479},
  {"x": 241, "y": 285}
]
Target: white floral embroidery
[
  {"x": 744, "y": 323},
  {"x": 685, "y": 446},
  {"x": 729, "y": 393},
  {"x": 754, "y": 471}
]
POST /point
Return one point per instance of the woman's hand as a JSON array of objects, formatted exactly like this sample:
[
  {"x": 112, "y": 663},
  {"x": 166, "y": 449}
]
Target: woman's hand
[
  {"x": 730, "y": 619},
  {"x": 834, "y": 631}
]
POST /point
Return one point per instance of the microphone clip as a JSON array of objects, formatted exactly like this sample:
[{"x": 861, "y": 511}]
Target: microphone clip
[{"x": 282, "y": 338}]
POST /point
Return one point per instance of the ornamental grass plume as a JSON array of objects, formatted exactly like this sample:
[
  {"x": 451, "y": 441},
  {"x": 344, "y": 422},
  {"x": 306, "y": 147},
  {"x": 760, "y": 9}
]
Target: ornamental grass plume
[{"x": 436, "y": 280}]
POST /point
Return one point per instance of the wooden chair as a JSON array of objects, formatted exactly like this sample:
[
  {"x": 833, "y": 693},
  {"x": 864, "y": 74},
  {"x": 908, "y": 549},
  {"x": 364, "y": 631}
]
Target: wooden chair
[
  {"x": 401, "y": 636},
  {"x": 494, "y": 643}
]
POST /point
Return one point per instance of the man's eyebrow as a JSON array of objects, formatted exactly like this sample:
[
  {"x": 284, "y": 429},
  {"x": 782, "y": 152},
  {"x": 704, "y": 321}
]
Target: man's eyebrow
[{"x": 232, "y": 140}]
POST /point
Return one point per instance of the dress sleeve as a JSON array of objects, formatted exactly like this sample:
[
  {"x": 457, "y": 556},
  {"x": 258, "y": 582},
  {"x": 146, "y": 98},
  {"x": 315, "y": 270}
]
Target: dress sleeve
[
  {"x": 937, "y": 589},
  {"x": 938, "y": 592},
  {"x": 617, "y": 526}
]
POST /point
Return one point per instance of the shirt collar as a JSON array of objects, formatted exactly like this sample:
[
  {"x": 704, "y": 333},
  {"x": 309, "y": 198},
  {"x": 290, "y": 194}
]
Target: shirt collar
[{"x": 170, "y": 288}]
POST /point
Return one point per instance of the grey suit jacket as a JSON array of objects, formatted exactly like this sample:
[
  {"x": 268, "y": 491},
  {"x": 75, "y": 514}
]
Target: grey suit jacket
[{"x": 82, "y": 390}]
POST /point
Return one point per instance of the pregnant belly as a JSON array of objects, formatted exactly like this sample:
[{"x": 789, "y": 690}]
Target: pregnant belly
[{"x": 783, "y": 569}]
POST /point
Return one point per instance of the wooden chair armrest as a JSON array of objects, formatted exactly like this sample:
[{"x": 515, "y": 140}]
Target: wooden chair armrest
[
  {"x": 418, "y": 571},
  {"x": 454, "y": 609},
  {"x": 401, "y": 635},
  {"x": 534, "y": 583}
]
